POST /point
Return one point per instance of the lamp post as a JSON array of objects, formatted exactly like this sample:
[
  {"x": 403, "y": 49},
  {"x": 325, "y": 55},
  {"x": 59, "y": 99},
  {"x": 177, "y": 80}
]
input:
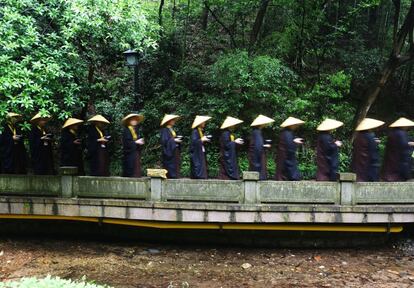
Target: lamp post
[{"x": 132, "y": 60}]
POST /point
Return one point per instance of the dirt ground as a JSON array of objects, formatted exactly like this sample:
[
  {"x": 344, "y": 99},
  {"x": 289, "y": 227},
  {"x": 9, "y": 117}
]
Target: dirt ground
[{"x": 137, "y": 265}]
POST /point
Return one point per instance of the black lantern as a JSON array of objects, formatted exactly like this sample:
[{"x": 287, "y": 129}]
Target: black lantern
[
  {"x": 131, "y": 57},
  {"x": 132, "y": 60}
]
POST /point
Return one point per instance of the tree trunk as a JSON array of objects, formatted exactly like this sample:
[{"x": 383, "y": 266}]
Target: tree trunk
[
  {"x": 204, "y": 17},
  {"x": 160, "y": 12},
  {"x": 90, "y": 106},
  {"x": 258, "y": 22},
  {"x": 174, "y": 8},
  {"x": 395, "y": 60}
]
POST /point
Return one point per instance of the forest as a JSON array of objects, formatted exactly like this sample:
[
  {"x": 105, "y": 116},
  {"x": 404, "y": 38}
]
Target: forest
[{"x": 311, "y": 59}]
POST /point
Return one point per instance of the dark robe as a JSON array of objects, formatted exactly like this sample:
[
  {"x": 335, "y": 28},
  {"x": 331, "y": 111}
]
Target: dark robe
[
  {"x": 327, "y": 158},
  {"x": 13, "y": 153},
  {"x": 286, "y": 163},
  {"x": 397, "y": 159},
  {"x": 365, "y": 157},
  {"x": 257, "y": 154},
  {"x": 197, "y": 156},
  {"x": 131, "y": 162},
  {"x": 41, "y": 152},
  {"x": 171, "y": 156},
  {"x": 229, "y": 168},
  {"x": 71, "y": 153},
  {"x": 97, "y": 153}
]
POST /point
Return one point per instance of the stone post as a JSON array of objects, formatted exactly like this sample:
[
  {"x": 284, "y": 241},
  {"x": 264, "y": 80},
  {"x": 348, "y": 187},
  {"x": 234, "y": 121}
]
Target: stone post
[
  {"x": 155, "y": 189},
  {"x": 347, "y": 186},
  {"x": 156, "y": 183},
  {"x": 251, "y": 195},
  {"x": 67, "y": 173}
]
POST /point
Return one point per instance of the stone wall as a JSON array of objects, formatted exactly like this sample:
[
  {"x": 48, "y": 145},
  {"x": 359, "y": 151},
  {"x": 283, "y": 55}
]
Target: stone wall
[{"x": 247, "y": 191}]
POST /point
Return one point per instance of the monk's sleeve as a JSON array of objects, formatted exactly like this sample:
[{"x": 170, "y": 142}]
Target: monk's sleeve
[
  {"x": 257, "y": 150},
  {"x": 128, "y": 142},
  {"x": 92, "y": 142},
  {"x": 405, "y": 155},
  {"x": 35, "y": 144},
  {"x": 290, "y": 161},
  {"x": 229, "y": 154},
  {"x": 168, "y": 144}
]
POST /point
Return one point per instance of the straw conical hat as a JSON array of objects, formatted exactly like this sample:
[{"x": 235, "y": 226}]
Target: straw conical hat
[
  {"x": 199, "y": 120},
  {"x": 12, "y": 114},
  {"x": 230, "y": 121},
  {"x": 368, "y": 123},
  {"x": 402, "y": 122},
  {"x": 168, "y": 117},
  {"x": 291, "y": 121},
  {"x": 38, "y": 116},
  {"x": 262, "y": 120},
  {"x": 329, "y": 124},
  {"x": 99, "y": 118},
  {"x": 132, "y": 115},
  {"x": 71, "y": 121}
]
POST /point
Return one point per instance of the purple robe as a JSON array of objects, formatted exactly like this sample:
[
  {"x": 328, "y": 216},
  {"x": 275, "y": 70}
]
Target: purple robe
[
  {"x": 286, "y": 163},
  {"x": 327, "y": 158},
  {"x": 365, "y": 157},
  {"x": 397, "y": 159}
]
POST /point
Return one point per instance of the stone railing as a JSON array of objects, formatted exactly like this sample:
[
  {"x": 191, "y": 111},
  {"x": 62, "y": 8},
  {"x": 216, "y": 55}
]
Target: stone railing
[{"x": 247, "y": 191}]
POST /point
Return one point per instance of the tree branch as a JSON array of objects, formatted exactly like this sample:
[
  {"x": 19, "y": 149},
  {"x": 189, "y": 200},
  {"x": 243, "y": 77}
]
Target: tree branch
[{"x": 233, "y": 42}]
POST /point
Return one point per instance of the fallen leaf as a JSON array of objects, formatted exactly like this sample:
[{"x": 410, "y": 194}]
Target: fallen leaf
[{"x": 317, "y": 258}]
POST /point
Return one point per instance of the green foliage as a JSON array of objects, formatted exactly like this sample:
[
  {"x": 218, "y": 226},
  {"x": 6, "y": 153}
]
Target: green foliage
[
  {"x": 51, "y": 51},
  {"x": 312, "y": 60}
]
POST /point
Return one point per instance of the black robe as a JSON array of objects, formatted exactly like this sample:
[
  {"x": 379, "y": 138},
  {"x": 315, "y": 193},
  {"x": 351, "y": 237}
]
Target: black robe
[
  {"x": 229, "y": 168},
  {"x": 171, "y": 156},
  {"x": 257, "y": 154},
  {"x": 131, "y": 162},
  {"x": 286, "y": 163},
  {"x": 397, "y": 159},
  {"x": 71, "y": 153},
  {"x": 98, "y": 155},
  {"x": 365, "y": 157},
  {"x": 41, "y": 152},
  {"x": 13, "y": 153},
  {"x": 197, "y": 156},
  {"x": 327, "y": 158}
]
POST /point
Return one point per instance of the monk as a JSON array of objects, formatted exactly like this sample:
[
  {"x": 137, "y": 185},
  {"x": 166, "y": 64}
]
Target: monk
[
  {"x": 132, "y": 144},
  {"x": 13, "y": 151},
  {"x": 170, "y": 142},
  {"x": 365, "y": 157},
  {"x": 257, "y": 146},
  {"x": 327, "y": 153},
  {"x": 398, "y": 150},
  {"x": 98, "y": 154},
  {"x": 197, "y": 148},
  {"x": 41, "y": 146},
  {"x": 71, "y": 145},
  {"x": 286, "y": 163},
  {"x": 229, "y": 167}
]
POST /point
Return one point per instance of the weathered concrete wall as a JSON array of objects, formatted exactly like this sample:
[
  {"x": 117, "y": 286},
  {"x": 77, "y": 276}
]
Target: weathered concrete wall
[
  {"x": 384, "y": 192},
  {"x": 205, "y": 212},
  {"x": 30, "y": 185},
  {"x": 202, "y": 190},
  {"x": 111, "y": 187},
  {"x": 299, "y": 192},
  {"x": 246, "y": 191}
]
